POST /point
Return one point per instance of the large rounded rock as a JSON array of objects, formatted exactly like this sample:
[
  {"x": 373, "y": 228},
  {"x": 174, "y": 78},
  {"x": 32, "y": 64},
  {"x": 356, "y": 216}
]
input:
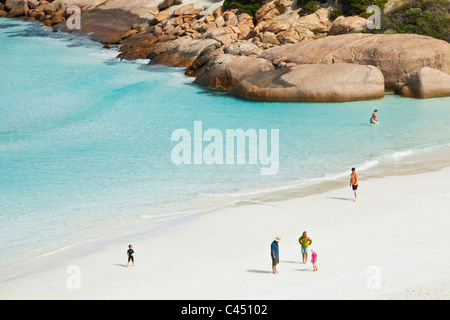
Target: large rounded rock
[
  {"x": 396, "y": 55},
  {"x": 314, "y": 82},
  {"x": 344, "y": 25},
  {"x": 181, "y": 52},
  {"x": 227, "y": 70},
  {"x": 425, "y": 83}
]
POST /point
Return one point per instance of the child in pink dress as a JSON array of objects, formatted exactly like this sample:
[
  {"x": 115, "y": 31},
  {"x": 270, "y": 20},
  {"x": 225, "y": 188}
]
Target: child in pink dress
[{"x": 314, "y": 259}]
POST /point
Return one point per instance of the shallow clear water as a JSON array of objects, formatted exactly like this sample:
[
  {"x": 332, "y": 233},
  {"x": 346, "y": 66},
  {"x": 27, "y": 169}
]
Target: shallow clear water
[{"x": 85, "y": 141}]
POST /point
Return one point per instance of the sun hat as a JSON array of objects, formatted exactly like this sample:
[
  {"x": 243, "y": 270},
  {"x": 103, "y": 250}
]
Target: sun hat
[{"x": 278, "y": 239}]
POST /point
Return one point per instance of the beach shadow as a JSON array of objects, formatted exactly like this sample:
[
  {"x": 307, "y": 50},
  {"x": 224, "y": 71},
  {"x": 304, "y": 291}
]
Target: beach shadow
[
  {"x": 290, "y": 261},
  {"x": 340, "y": 198},
  {"x": 303, "y": 270},
  {"x": 120, "y": 265},
  {"x": 259, "y": 271}
]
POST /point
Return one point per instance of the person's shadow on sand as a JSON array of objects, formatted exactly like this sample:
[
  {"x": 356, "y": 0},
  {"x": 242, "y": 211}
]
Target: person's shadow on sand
[
  {"x": 307, "y": 269},
  {"x": 340, "y": 198},
  {"x": 258, "y": 271},
  {"x": 267, "y": 271},
  {"x": 120, "y": 265}
]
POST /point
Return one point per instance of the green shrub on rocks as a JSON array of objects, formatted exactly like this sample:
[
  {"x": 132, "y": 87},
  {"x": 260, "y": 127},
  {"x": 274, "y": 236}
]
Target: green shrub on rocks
[
  {"x": 280, "y": 6},
  {"x": 309, "y": 7},
  {"x": 425, "y": 17},
  {"x": 302, "y": 3},
  {"x": 359, "y": 7},
  {"x": 344, "y": 7},
  {"x": 248, "y": 6},
  {"x": 336, "y": 13}
]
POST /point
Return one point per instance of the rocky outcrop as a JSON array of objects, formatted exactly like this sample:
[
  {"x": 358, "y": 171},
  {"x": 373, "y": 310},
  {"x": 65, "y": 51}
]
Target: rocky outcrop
[
  {"x": 289, "y": 28},
  {"x": 226, "y": 71},
  {"x": 396, "y": 55},
  {"x": 424, "y": 83},
  {"x": 314, "y": 82},
  {"x": 115, "y": 21},
  {"x": 108, "y": 26},
  {"x": 222, "y": 47},
  {"x": 228, "y": 27}
]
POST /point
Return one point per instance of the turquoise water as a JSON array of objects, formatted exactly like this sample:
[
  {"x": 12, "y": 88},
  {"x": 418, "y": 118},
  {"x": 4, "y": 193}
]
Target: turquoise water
[{"x": 85, "y": 142}]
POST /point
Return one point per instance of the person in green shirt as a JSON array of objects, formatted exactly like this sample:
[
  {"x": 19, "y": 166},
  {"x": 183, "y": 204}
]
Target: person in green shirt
[{"x": 304, "y": 241}]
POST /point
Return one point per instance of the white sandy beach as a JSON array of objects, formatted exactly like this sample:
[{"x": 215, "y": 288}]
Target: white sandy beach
[{"x": 396, "y": 233}]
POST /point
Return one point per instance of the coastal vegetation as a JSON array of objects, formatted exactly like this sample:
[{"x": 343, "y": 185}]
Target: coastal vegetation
[
  {"x": 424, "y": 17},
  {"x": 246, "y": 6},
  {"x": 343, "y": 7},
  {"x": 359, "y": 7},
  {"x": 308, "y": 7},
  {"x": 251, "y": 6}
]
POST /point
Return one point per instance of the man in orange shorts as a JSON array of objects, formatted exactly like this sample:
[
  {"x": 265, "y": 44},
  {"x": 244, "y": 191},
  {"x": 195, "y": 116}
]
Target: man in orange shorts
[{"x": 354, "y": 182}]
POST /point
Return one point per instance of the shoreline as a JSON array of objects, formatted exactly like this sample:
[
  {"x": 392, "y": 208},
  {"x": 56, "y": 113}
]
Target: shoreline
[
  {"x": 236, "y": 253},
  {"x": 161, "y": 224}
]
